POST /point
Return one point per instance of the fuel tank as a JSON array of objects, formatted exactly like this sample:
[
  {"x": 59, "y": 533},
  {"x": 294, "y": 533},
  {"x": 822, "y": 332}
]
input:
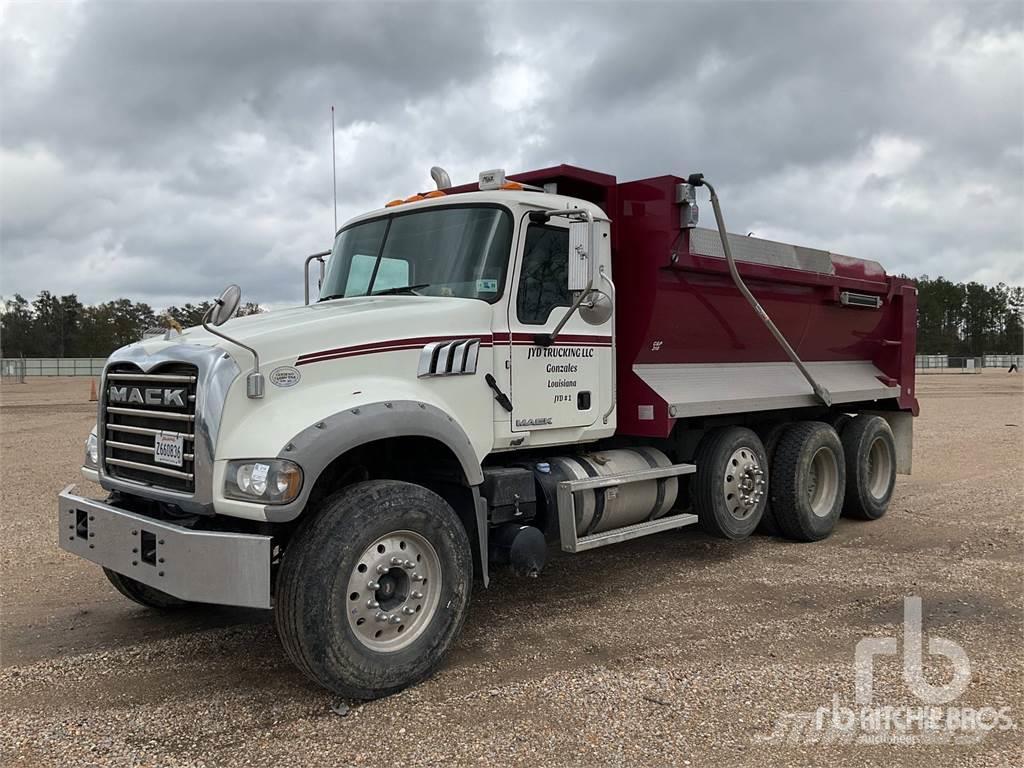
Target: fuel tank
[{"x": 616, "y": 507}]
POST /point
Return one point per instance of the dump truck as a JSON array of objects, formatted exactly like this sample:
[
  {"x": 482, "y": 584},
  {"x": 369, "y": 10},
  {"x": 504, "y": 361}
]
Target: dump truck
[{"x": 532, "y": 362}]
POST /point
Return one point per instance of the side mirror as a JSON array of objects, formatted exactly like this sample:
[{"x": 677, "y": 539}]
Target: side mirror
[
  {"x": 596, "y": 308},
  {"x": 581, "y": 260},
  {"x": 226, "y": 305},
  {"x": 224, "y": 308}
]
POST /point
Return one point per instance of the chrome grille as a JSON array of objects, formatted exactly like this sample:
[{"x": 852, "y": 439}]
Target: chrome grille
[{"x": 136, "y": 408}]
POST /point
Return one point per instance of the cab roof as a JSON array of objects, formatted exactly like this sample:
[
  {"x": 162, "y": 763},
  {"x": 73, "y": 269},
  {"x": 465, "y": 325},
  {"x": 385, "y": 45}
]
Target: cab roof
[{"x": 509, "y": 198}]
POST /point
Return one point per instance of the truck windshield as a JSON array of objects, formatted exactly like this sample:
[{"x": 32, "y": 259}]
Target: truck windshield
[{"x": 460, "y": 251}]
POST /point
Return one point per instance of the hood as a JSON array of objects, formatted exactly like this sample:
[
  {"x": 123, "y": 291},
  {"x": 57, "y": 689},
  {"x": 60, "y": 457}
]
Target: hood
[{"x": 285, "y": 334}]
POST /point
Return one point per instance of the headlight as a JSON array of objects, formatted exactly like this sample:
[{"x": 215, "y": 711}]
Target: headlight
[
  {"x": 271, "y": 481},
  {"x": 92, "y": 451}
]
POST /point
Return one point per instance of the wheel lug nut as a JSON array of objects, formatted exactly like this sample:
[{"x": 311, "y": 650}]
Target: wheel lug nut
[
  {"x": 372, "y": 604},
  {"x": 408, "y": 565},
  {"x": 382, "y": 569},
  {"x": 417, "y": 595},
  {"x": 408, "y": 611},
  {"x": 381, "y": 616},
  {"x": 371, "y": 584},
  {"x": 396, "y": 561},
  {"x": 394, "y": 619}
]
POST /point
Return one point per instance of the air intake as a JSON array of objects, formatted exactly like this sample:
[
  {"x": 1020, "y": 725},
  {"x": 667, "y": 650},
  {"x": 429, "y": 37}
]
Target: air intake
[{"x": 449, "y": 358}]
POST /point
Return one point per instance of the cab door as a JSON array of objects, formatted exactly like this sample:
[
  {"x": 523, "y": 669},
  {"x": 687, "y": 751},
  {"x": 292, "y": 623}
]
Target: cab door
[{"x": 565, "y": 385}]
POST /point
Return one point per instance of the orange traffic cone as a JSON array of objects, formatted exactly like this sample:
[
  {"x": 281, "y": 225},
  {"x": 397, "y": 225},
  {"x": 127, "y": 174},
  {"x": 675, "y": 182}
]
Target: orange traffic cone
[{"x": 92, "y": 391}]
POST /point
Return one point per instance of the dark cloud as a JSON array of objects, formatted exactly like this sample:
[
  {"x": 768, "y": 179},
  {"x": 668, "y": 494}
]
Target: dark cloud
[
  {"x": 138, "y": 76},
  {"x": 157, "y": 150}
]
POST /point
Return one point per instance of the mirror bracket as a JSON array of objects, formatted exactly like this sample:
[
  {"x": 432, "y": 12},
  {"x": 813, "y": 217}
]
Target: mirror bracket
[
  {"x": 547, "y": 339},
  {"x": 319, "y": 256},
  {"x": 254, "y": 382}
]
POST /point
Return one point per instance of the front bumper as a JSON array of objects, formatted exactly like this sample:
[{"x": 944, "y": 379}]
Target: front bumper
[{"x": 199, "y": 566}]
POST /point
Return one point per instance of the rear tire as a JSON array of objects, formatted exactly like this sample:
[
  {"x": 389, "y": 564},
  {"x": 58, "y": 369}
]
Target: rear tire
[
  {"x": 770, "y": 435},
  {"x": 729, "y": 490},
  {"x": 143, "y": 594},
  {"x": 373, "y": 588},
  {"x": 808, "y": 481},
  {"x": 839, "y": 422},
  {"x": 870, "y": 467}
]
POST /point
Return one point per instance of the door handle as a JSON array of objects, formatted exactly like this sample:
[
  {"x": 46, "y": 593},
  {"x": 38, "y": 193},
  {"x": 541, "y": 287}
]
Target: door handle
[{"x": 500, "y": 396}]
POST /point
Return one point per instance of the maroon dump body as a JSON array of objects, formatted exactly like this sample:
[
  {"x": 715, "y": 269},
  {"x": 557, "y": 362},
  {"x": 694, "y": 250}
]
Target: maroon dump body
[{"x": 679, "y": 314}]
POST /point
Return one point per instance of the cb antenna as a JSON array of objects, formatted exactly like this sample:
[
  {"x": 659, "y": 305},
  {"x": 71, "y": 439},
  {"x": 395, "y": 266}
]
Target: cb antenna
[{"x": 334, "y": 176}]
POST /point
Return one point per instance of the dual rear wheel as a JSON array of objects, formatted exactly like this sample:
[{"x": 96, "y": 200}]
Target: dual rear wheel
[{"x": 794, "y": 479}]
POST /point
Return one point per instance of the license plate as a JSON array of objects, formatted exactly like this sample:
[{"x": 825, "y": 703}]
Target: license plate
[{"x": 168, "y": 449}]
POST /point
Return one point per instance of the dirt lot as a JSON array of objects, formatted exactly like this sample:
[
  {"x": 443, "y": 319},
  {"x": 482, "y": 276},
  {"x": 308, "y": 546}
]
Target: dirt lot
[{"x": 673, "y": 650}]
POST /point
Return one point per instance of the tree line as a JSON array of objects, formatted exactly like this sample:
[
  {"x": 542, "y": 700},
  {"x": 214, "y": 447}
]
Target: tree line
[
  {"x": 968, "y": 319},
  {"x": 61, "y": 326},
  {"x": 957, "y": 319}
]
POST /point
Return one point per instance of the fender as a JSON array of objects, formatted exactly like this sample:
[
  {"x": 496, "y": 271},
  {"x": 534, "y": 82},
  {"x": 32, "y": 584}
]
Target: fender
[{"x": 319, "y": 444}]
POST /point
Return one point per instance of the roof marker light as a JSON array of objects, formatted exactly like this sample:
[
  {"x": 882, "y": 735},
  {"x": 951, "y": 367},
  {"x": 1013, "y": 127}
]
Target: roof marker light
[
  {"x": 393, "y": 203},
  {"x": 492, "y": 179}
]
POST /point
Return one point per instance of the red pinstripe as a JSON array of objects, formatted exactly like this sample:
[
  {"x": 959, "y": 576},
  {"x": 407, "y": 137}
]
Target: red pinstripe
[{"x": 398, "y": 345}]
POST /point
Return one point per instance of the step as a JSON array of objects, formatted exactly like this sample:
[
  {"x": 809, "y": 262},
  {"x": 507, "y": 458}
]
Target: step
[{"x": 615, "y": 535}]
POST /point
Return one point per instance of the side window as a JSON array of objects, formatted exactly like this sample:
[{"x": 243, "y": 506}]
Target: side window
[
  {"x": 393, "y": 273},
  {"x": 544, "y": 280}
]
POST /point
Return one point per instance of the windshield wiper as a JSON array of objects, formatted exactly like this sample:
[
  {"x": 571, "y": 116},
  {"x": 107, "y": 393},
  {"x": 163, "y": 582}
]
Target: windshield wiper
[
  {"x": 401, "y": 289},
  {"x": 332, "y": 296}
]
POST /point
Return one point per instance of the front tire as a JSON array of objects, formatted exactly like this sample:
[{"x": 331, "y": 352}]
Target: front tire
[
  {"x": 373, "y": 589},
  {"x": 729, "y": 488},
  {"x": 142, "y": 594}
]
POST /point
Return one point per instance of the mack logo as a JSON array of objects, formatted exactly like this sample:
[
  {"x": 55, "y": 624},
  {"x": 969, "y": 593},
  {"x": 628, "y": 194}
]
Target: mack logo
[
  {"x": 539, "y": 422},
  {"x": 148, "y": 396}
]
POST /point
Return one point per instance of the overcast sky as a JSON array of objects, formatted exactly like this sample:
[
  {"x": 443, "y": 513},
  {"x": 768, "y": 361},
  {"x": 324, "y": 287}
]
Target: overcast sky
[{"x": 160, "y": 150}]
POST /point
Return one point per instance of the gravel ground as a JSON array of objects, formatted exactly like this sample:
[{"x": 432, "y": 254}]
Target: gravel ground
[{"x": 672, "y": 650}]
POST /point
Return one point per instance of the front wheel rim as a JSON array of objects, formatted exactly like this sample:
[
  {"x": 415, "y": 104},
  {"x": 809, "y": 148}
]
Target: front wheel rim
[{"x": 393, "y": 591}]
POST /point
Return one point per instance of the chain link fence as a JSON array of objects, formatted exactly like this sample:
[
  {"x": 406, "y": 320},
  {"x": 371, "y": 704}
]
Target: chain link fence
[
  {"x": 947, "y": 364},
  {"x": 1004, "y": 361},
  {"x": 12, "y": 371},
  {"x": 17, "y": 369}
]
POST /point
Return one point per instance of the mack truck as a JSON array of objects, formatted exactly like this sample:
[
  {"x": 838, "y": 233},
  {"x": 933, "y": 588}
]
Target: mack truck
[{"x": 490, "y": 372}]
